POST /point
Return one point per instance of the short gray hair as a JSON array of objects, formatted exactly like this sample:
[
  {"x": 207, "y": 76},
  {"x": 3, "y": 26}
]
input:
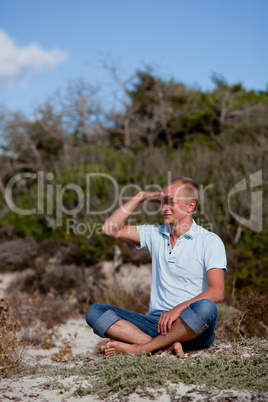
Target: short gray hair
[{"x": 190, "y": 187}]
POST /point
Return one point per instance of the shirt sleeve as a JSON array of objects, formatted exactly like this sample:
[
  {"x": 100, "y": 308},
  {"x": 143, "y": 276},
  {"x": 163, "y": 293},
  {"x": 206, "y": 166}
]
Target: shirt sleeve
[
  {"x": 145, "y": 232},
  {"x": 215, "y": 254}
]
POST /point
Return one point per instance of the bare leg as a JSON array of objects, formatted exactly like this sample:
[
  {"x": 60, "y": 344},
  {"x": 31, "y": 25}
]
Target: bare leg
[
  {"x": 180, "y": 332},
  {"x": 125, "y": 331}
]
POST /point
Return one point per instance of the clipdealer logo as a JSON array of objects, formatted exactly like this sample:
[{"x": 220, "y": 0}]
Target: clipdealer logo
[{"x": 50, "y": 198}]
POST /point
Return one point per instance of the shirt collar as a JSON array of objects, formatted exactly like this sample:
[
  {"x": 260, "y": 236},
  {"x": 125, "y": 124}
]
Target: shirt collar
[{"x": 166, "y": 230}]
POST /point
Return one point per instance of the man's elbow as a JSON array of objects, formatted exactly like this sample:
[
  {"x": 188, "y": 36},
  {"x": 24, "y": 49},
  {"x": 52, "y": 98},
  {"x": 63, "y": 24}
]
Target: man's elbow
[
  {"x": 110, "y": 230},
  {"x": 105, "y": 230},
  {"x": 220, "y": 295}
]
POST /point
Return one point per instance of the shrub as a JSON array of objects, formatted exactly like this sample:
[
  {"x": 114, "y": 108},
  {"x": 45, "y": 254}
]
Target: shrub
[{"x": 11, "y": 348}]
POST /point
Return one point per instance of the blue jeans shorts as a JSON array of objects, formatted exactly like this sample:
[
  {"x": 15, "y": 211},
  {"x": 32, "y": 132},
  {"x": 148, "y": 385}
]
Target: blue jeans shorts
[{"x": 201, "y": 316}]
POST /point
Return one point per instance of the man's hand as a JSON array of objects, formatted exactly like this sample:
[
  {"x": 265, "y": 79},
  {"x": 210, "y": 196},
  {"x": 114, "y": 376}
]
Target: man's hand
[
  {"x": 166, "y": 319},
  {"x": 152, "y": 196}
]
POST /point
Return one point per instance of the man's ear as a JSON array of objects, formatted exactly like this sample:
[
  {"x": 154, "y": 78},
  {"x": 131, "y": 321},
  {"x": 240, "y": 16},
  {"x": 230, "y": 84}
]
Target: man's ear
[{"x": 191, "y": 206}]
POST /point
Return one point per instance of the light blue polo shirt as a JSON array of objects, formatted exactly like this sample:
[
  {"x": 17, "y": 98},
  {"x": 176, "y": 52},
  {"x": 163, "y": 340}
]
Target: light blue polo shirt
[{"x": 180, "y": 274}]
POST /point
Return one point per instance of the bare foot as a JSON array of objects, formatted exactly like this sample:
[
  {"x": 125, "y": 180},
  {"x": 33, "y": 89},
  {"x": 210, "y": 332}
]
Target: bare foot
[
  {"x": 121, "y": 348},
  {"x": 178, "y": 350}
]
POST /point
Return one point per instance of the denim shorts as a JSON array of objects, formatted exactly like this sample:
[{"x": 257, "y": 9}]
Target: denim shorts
[{"x": 201, "y": 316}]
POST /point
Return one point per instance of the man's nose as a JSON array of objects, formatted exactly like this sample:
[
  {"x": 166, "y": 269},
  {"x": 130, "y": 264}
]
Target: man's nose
[{"x": 165, "y": 207}]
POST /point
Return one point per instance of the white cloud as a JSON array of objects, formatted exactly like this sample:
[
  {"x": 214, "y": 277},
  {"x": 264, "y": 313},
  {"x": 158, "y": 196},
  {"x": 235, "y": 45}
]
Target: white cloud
[{"x": 18, "y": 64}]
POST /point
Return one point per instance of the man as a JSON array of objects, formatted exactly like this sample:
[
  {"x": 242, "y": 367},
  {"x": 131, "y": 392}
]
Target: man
[{"x": 188, "y": 264}]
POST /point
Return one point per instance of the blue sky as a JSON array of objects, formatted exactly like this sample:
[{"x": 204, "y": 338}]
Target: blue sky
[{"x": 45, "y": 44}]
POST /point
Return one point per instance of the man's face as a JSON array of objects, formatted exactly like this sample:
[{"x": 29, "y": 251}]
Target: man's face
[{"x": 176, "y": 205}]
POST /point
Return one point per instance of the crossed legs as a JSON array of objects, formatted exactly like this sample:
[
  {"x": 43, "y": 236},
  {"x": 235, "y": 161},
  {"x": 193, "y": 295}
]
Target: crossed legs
[
  {"x": 135, "y": 333},
  {"x": 144, "y": 343}
]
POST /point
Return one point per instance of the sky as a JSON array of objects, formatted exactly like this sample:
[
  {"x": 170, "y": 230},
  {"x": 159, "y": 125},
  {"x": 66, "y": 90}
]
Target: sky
[{"x": 44, "y": 45}]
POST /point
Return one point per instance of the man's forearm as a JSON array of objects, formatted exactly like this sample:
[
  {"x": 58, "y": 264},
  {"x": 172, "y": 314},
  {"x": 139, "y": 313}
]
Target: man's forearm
[{"x": 118, "y": 219}]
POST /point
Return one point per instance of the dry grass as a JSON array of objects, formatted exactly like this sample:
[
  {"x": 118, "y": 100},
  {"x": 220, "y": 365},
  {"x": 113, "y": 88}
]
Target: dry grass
[
  {"x": 248, "y": 319},
  {"x": 39, "y": 316},
  {"x": 31, "y": 320},
  {"x": 65, "y": 353},
  {"x": 51, "y": 310},
  {"x": 135, "y": 301},
  {"x": 11, "y": 347},
  {"x": 228, "y": 323},
  {"x": 254, "y": 320}
]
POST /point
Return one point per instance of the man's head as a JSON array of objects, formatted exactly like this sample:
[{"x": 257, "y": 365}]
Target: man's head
[{"x": 182, "y": 199}]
